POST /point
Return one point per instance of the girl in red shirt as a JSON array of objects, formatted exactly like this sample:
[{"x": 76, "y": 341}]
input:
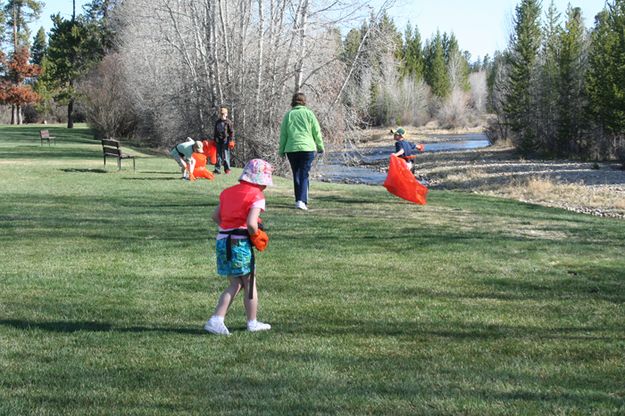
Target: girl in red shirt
[{"x": 239, "y": 229}]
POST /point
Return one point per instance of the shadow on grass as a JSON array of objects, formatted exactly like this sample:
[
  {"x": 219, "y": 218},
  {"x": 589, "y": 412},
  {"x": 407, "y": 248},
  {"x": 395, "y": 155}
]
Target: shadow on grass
[
  {"x": 73, "y": 326},
  {"x": 56, "y": 154},
  {"x": 150, "y": 179},
  {"x": 454, "y": 330},
  {"x": 428, "y": 330},
  {"x": 72, "y": 170}
]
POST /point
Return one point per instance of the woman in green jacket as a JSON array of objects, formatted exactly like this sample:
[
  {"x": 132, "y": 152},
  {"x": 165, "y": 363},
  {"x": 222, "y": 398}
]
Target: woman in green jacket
[{"x": 300, "y": 138}]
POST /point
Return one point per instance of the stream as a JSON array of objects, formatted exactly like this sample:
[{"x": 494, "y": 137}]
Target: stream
[{"x": 337, "y": 166}]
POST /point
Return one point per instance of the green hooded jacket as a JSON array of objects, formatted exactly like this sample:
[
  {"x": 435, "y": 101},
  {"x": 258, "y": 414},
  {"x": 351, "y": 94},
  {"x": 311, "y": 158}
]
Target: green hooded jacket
[{"x": 300, "y": 132}]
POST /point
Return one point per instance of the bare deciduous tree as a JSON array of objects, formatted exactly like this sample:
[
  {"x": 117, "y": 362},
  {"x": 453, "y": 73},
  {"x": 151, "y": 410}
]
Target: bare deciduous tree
[
  {"x": 105, "y": 101},
  {"x": 185, "y": 58}
]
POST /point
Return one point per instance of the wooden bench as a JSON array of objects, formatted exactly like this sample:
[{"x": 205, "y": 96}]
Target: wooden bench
[
  {"x": 110, "y": 148},
  {"x": 45, "y": 135}
]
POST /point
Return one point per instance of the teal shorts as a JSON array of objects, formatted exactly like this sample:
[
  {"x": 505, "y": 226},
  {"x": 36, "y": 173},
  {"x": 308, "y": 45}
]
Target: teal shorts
[{"x": 241, "y": 262}]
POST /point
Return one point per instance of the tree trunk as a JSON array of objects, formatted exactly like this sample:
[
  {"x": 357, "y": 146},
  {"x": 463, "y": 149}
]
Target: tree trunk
[
  {"x": 70, "y": 117},
  {"x": 299, "y": 69},
  {"x": 259, "y": 73}
]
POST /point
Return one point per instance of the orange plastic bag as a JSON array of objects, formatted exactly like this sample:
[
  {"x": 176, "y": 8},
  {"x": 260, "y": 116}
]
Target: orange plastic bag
[
  {"x": 402, "y": 183},
  {"x": 210, "y": 151},
  {"x": 199, "y": 170}
]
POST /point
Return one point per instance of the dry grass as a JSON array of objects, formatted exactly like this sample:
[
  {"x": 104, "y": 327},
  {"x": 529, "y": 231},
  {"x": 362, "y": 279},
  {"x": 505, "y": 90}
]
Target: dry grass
[{"x": 575, "y": 196}]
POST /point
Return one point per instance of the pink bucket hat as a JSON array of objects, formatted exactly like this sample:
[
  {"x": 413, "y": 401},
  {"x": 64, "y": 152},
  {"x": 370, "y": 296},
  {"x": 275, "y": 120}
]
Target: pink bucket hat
[{"x": 257, "y": 171}]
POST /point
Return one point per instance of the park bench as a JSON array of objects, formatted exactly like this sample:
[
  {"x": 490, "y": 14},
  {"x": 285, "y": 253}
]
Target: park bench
[
  {"x": 110, "y": 148},
  {"x": 45, "y": 135}
]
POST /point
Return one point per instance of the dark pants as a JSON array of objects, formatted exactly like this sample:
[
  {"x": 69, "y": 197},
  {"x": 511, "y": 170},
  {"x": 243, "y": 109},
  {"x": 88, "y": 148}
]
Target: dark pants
[
  {"x": 301, "y": 163},
  {"x": 223, "y": 156}
]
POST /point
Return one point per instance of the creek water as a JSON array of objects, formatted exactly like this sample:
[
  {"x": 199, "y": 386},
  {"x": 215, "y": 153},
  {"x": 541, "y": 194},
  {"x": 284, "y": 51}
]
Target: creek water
[{"x": 335, "y": 167}]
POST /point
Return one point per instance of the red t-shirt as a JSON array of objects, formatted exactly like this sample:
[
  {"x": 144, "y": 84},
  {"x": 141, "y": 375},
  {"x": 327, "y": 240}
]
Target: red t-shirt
[{"x": 235, "y": 204}]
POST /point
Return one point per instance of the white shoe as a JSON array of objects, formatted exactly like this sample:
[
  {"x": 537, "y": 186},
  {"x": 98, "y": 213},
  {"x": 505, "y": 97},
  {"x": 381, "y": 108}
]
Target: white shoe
[
  {"x": 301, "y": 205},
  {"x": 258, "y": 326},
  {"x": 215, "y": 327}
]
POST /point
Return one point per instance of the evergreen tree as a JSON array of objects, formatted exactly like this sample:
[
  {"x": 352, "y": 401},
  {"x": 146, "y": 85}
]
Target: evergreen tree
[
  {"x": 457, "y": 63},
  {"x": 496, "y": 83},
  {"x": 71, "y": 53},
  {"x": 436, "y": 75},
  {"x": 412, "y": 62},
  {"x": 548, "y": 91},
  {"x": 38, "y": 50},
  {"x": 606, "y": 75},
  {"x": 350, "y": 45},
  {"x": 97, "y": 18},
  {"x": 19, "y": 13},
  {"x": 520, "y": 104},
  {"x": 388, "y": 31},
  {"x": 572, "y": 67}
]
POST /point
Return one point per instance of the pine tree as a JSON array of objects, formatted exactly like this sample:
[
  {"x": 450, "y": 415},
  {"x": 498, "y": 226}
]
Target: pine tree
[
  {"x": 412, "y": 62},
  {"x": 548, "y": 91},
  {"x": 572, "y": 67},
  {"x": 605, "y": 79},
  {"x": 70, "y": 54},
  {"x": 436, "y": 75},
  {"x": 38, "y": 50},
  {"x": 97, "y": 18},
  {"x": 19, "y": 13},
  {"x": 520, "y": 104},
  {"x": 350, "y": 45},
  {"x": 456, "y": 62}
]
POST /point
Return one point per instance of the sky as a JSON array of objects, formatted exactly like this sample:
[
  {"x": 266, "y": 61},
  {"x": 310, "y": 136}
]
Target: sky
[
  {"x": 53, "y": 7},
  {"x": 481, "y": 26}
]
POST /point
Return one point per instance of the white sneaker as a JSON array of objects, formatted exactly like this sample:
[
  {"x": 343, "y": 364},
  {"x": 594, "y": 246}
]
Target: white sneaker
[
  {"x": 301, "y": 205},
  {"x": 258, "y": 326},
  {"x": 215, "y": 327}
]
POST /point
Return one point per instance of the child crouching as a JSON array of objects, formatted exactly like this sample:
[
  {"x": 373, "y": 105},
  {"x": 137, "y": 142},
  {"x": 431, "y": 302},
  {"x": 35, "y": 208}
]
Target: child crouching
[{"x": 238, "y": 218}]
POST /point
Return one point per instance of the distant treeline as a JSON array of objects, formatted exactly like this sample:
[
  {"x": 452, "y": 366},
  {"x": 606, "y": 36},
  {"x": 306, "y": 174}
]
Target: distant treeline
[{"x": 559, "y": 88}]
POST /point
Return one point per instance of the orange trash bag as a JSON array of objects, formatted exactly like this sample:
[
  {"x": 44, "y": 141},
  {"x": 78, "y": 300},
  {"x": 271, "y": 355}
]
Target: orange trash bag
[
  {"x": 402, "y": 183},
  {"x": 200, "y": 171},
  {"x": 210, "y": 151}
]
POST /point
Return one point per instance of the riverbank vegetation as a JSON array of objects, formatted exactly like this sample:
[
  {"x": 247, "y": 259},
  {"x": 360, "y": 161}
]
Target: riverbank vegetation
[{"x": 470, "y": 304}]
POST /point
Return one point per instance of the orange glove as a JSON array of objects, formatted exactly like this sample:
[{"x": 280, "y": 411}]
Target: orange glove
[
  {"x": 231, "y": 144},
  {"x": 421, "y": 148},
  {"x": 260, "y": 239},
  {"x": 191, "y": 177}
]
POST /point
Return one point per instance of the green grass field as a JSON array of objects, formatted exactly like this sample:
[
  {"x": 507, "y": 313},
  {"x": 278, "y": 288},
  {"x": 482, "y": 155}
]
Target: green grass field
[{"x": 468, "y": 305}]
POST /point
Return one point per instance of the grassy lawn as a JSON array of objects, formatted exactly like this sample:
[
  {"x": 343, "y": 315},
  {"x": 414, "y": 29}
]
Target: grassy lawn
[{"x": 469, "y": 305}]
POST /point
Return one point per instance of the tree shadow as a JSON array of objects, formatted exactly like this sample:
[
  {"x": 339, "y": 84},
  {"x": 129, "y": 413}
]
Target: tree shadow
[{"x": 78, "y": 326}]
